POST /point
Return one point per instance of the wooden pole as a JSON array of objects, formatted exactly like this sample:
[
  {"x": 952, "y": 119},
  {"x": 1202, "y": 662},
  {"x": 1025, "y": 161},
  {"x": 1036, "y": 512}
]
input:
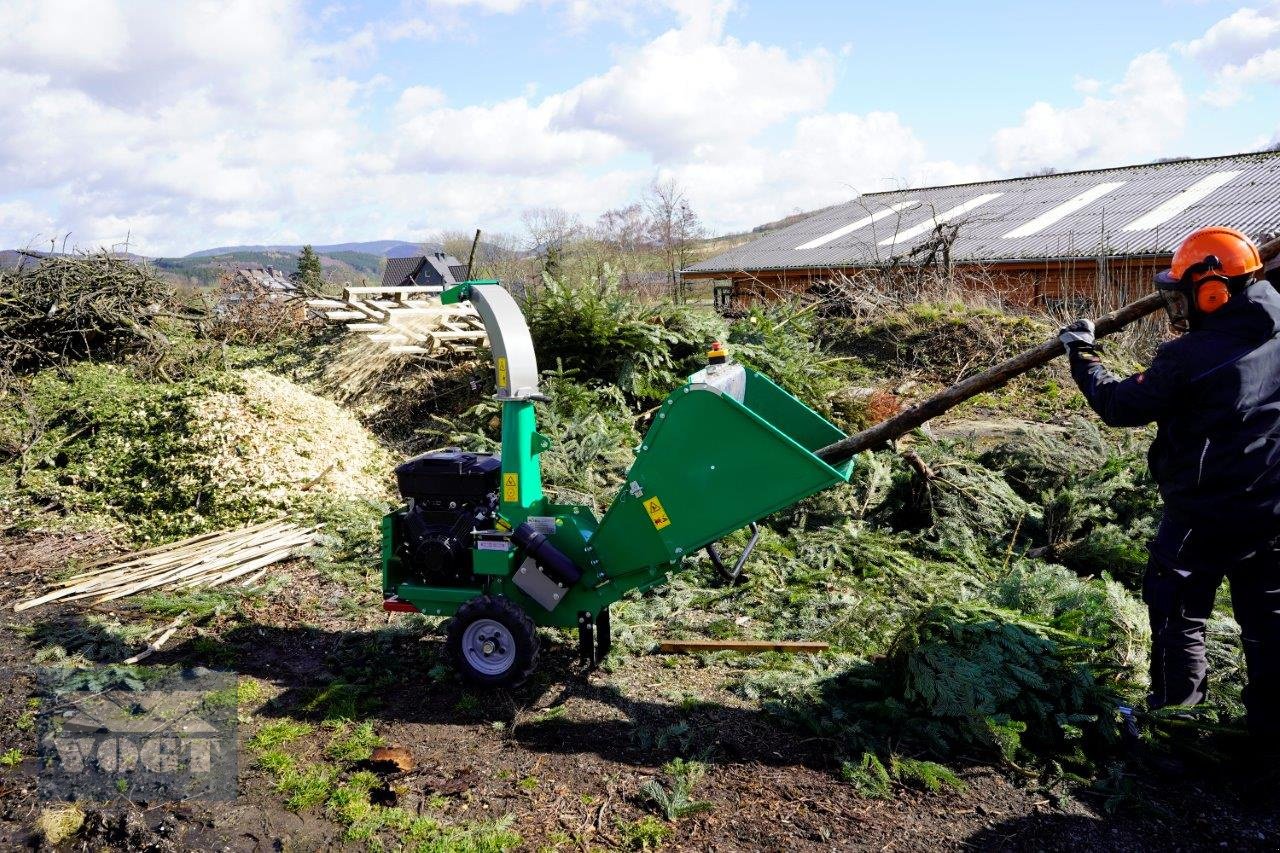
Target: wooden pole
[
  {"x": 904, "y": 422},
  {"x": 746, "y": 646},
  {"x": 471, "y": 256}
]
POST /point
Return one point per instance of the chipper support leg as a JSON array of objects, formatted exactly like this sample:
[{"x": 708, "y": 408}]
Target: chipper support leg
[
  {"x": 586, "y": 638},
  {"x": 594, "y": 637},
  {"x": 604, "y": 640}
]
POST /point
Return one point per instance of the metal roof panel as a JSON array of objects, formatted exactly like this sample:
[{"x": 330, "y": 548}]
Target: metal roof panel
[{"x": 1248, "y": 200}]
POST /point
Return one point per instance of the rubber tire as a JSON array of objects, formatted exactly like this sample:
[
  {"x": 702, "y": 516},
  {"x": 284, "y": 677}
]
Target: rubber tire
[{"x": 500, "y": 609}]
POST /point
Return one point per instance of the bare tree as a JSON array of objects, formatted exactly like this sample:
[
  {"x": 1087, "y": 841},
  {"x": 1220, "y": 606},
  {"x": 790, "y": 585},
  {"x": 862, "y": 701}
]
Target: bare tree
[
  {"x": 451, "y": 242},
  {"x": 551, "y": 230},
  {"x": 624, "y": 232},
  {"x": 673, "y": 227},
  {"x": 502, "y": 256}
]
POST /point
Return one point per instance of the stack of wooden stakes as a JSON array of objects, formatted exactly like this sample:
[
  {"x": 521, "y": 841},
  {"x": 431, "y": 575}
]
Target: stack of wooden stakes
[
  {"x": 204, "y": 561},
  {"x": 408, "y": 320}
]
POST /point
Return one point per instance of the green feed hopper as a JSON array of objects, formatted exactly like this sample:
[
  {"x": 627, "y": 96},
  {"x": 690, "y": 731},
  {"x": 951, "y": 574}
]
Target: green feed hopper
[{"x": 724, "y": 450}]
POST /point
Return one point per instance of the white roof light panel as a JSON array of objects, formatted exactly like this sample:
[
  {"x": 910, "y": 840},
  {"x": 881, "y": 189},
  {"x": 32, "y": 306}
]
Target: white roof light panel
[
  {"x": 942, "y": 218},
  {"x": 857, "y": 226},
  {"x": 1174, "y": 205},
  {"x": 1062, "y": 211}
]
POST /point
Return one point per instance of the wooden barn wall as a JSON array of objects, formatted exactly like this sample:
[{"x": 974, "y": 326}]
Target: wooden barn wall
[{"x": 1076, "y": 283}]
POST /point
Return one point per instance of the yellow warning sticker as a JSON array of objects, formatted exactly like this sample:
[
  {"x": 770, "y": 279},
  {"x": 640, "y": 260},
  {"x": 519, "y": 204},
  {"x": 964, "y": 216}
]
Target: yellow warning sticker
[
  {"x": 657, "y": 514},
  {"x": 502, "y": 371},
  {"x": 510, "y": 488}
]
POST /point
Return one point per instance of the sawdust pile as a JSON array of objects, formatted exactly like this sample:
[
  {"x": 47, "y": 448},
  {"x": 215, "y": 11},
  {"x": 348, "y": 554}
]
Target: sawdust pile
[{"x": 274, "y": 439}]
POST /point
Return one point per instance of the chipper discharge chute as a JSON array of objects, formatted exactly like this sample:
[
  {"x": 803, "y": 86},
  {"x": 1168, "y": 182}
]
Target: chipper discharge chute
[{"x": 477, "y": 539}]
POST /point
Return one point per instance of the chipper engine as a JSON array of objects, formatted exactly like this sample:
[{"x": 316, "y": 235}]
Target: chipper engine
[{"x": 479, "y": 541}]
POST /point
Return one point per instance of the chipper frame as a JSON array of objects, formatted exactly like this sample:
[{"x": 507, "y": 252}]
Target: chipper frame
[{"x": 479, "y": 541}]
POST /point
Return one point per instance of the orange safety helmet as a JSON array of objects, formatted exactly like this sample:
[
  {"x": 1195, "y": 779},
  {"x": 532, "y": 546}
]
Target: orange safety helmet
[{"x": 1208, "y": 267}]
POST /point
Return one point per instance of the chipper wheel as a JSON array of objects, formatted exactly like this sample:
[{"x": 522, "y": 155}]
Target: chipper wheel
[{"x": 492, "y": 642}]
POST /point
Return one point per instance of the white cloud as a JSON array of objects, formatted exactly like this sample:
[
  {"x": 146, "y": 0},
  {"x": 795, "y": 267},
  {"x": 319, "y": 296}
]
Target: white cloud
[
  {"x": 492, "y": 6},
  {"x": 418, "y": 99},
  {"x": 692, "y": 85},
  {"x": 830, "y": 158},
  {"x": 1136, "y": 120},
  {"x": 1240, "y": 51},
  {"x": 1236, "y": 38},
  {"x": 23, "y": 218},
  {"x": 513, "y": 137},
  {"x": 180, "y": 113}
]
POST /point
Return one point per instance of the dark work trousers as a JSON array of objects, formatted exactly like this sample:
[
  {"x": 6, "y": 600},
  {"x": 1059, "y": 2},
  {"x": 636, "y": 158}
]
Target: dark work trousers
[{"x": 1179, "y": 596}]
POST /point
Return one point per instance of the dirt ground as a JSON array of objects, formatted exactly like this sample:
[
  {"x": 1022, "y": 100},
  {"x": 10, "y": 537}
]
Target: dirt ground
[{"x": 567, "y": 755}]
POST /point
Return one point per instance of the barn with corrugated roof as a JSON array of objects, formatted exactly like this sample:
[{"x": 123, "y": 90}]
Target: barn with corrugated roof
[{"x": 1097, "y": 235}]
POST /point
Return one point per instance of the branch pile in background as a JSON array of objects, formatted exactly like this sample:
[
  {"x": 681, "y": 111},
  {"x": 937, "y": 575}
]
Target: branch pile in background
[
  {"x": 202, "y": 562},
  {"x": 66, "y": 308}
]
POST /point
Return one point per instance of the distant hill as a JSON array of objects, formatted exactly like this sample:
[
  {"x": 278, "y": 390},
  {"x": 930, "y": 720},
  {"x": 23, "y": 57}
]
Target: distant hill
[
  {"x": 12, "y": 258},
  {"x": 206, "y": 270},
  {"x": 380, "y": 248}
]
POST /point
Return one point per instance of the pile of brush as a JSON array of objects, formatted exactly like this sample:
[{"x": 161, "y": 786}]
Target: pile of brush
[{"x": 72, "y": 307}]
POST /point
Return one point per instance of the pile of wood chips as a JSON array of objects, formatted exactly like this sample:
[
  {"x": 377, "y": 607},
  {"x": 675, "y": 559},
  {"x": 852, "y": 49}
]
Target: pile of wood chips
[{"x": 203, "y": 562}]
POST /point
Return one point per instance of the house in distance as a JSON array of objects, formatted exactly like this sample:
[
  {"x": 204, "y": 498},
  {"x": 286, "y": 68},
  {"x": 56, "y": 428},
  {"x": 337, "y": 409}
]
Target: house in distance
[
  {"x": 1094, "y": 236},
  {"x": 436, "y": 269}
]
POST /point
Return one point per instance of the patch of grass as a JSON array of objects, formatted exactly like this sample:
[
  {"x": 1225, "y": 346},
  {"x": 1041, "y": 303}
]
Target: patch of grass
[
  {"x": 247, "y": 693},
  {"x": 277, "y": 762},
  {"x": 306, "y": 788},
  {"x": 278, "y": 732},
  {"x": 11, "y": 757},
  {"x": 350, "y": 805},
  {"x": 528, "y": 783},
  {"x": 490, "y": 837},
  {"x": 353, "y": 743},
  {"x": 339, "y": 700},
  {"x": 647, "y": 833}
]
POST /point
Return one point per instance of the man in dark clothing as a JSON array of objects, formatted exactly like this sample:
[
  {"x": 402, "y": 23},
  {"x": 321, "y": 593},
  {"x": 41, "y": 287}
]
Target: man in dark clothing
[{"x": 1214, "y": 394}]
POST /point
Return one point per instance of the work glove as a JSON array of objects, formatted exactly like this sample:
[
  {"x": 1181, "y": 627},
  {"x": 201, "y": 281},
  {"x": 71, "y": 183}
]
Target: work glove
[{"x": 1077, "y": 337}]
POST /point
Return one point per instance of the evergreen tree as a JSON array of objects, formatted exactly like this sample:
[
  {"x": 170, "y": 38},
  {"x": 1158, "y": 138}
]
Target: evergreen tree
[{"x": 308, "y": 268}]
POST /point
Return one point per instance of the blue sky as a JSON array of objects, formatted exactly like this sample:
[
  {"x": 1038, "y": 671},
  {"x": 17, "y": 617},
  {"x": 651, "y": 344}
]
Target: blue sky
[{"x": 185, "y": 125}]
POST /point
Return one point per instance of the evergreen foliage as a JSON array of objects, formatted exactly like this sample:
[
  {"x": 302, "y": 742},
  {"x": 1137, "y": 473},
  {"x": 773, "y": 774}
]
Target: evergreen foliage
[{"x": 308, "y": 273}]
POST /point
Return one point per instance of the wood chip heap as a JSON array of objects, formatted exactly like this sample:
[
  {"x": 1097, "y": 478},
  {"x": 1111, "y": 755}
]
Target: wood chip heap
[{"x": 203, "y": 561}]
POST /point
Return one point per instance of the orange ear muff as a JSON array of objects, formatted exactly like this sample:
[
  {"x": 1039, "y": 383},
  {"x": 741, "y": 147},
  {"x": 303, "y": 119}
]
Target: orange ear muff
[{"x": 1211, "y": 296}]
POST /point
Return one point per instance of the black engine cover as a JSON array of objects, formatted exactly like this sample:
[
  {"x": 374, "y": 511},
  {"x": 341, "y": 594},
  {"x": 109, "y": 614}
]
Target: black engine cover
[
  {"x": 449, "y": 474},
  {"x": 450, "y": 493}
]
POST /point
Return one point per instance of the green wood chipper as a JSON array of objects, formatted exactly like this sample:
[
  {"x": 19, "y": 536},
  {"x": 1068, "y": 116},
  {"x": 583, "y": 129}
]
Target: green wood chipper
[{"x": 478, "y": 540}]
